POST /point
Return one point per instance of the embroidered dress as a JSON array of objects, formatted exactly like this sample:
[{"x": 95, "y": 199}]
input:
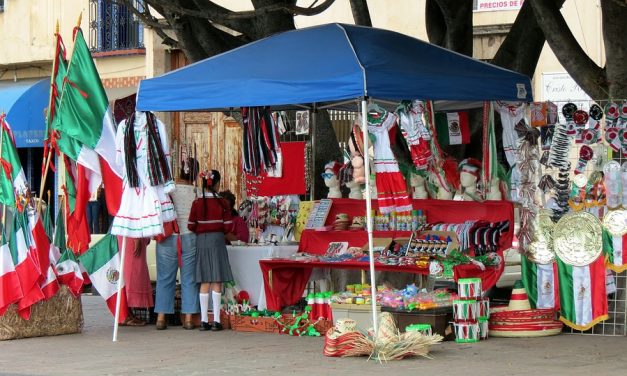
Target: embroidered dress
[
  {"x": 145, "y": 208},
  {"x": 391, "y": 187},
  {"x": 415, "y": 132}
]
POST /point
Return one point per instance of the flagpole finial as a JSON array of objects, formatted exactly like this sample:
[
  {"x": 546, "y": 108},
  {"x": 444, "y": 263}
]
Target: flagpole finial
[
  {"x": 56, "y": 30},
  {"x": 80, "y": 17}
]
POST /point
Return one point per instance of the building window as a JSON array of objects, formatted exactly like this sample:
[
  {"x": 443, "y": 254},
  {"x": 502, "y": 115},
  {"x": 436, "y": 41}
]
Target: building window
[
  {"x": 1, "y": 5},
  {"x": 113, "y": 27}
]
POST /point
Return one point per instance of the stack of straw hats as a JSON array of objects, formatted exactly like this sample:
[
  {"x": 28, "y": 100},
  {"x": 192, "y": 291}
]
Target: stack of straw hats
[{"x": 518, "y": 319}]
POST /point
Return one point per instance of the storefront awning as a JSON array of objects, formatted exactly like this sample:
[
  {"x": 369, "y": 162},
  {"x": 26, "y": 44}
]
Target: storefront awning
[{"x": 25, "y": 102}]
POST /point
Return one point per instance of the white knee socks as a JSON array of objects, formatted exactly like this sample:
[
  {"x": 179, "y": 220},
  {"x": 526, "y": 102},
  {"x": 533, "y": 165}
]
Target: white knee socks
[
  {"x": 204, "y": 307},
  {"x": 216, "y": 299}
]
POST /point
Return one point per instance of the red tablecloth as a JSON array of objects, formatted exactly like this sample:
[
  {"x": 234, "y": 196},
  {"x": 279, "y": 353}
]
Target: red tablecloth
[{"x": 285, "y": 280}]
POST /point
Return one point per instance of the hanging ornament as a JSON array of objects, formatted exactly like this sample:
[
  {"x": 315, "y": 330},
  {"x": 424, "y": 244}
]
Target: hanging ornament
[{"x": 585, "y": 155}]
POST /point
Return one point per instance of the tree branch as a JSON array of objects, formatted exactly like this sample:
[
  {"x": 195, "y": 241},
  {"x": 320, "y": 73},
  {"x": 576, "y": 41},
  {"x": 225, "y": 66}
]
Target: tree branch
[
  {"x": 569, "y": 53},
  {"x": 151, "y": 22},
  {"x": 361, "y": 14},
  {"x": 452, "y": 26},
  {"x": 614, "y": 16},
  {"x": 436, "y": 27}
]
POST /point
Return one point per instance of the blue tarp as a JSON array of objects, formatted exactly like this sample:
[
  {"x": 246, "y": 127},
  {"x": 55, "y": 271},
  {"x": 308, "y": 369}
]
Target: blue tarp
[
  {"x": 328, "y": 64},
  {"x": 24, "y": 103}
]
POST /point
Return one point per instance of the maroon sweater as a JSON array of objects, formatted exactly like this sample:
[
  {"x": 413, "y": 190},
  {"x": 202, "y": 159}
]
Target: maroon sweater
[{"x": 210, "y": 214}]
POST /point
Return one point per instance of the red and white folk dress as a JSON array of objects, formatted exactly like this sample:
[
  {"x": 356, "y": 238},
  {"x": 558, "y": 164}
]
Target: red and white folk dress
[{"x": 392, "y": 193}]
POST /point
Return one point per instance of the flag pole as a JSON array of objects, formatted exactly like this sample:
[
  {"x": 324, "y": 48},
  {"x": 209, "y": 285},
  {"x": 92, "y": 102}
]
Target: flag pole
[
  {"x": 373, "y": 285},
  {"x": 119, "y": 295},
  {"x": 48, "y": 158}
]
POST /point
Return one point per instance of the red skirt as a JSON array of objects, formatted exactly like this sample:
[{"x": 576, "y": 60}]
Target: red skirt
[{"x": 392, "y": 193}]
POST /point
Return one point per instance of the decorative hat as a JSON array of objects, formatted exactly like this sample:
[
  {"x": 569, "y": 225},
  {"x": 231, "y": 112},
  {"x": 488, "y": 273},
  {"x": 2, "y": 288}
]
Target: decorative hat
[
  {"x": 471, "y": 166},
  {"x": 519, "y": 299},
  {"x": 333, "y": 166}
]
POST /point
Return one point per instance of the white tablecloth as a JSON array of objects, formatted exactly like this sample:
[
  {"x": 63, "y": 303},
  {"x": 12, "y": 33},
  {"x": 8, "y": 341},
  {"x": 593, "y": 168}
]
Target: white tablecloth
[{"x": 246, "y": 271}]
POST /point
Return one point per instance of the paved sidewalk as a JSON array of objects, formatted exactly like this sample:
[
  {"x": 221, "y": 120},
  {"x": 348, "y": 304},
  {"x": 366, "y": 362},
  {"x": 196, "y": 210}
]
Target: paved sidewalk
[{"x": 143, "y": 350}]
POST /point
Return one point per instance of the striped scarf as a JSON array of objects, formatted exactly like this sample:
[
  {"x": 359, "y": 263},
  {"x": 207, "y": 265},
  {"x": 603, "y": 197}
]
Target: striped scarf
[{"x": 158, "y": 168}]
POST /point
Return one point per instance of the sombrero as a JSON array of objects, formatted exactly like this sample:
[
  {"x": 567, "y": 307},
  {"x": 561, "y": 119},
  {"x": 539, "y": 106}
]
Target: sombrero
[{"x": 520, "y": 320}]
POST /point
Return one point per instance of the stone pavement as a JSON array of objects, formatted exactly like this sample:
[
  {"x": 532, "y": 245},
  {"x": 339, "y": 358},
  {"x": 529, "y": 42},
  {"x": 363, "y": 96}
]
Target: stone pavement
[{"x": 143, "y": 350}]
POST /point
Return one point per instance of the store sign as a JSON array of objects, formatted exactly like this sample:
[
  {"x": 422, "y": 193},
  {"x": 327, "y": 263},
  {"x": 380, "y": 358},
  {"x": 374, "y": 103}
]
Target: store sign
[
  {"x": 560, "y": 87},
  {"x": 496, "y": 5}
]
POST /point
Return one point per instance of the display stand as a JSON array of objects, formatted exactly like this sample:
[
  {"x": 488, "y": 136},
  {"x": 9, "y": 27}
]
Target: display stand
[{"x": 285, "y": 280}]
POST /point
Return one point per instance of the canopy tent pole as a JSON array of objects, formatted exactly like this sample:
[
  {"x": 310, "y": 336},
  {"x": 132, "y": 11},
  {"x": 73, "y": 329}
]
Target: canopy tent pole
[
  {"x": 373, "y": 285},
  {"x": 312, "y": 131},
  {"x": 119, "y": 295}
]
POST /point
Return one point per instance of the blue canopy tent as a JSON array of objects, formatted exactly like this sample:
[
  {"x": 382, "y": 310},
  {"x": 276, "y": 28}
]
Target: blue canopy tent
[
  {"x": 330, "y": 66},
  {"x": 326, "y": 64}
]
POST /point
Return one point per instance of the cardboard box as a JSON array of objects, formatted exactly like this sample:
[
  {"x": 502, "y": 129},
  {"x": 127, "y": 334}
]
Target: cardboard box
[{"x": 361, "y": 313}]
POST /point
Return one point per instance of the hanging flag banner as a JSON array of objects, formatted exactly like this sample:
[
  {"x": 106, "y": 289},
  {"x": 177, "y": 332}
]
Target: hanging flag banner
[{"x": 452, "y": 128}]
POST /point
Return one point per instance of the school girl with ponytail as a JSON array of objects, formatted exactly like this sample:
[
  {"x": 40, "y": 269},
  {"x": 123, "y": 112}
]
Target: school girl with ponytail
[{"x": 210, "y": 218}]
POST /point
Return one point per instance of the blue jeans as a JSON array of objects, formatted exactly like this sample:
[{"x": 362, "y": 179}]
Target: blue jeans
[
  {"x": 167, "y": 266},
  {"x": 93, "y": 208}
]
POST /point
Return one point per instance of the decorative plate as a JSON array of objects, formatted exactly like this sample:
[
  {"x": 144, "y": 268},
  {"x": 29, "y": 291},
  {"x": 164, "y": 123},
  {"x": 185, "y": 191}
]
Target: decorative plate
[
  {"x": 578, "y": 238},
  {"x": 615, "y": 222}
]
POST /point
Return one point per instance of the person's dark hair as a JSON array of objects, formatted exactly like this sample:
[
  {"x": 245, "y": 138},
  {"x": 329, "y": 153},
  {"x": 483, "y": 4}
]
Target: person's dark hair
[
  {"x": 214, "y": 177},
  {"x": 194, "y": 167},
  {"x": 230, "y": 197}
]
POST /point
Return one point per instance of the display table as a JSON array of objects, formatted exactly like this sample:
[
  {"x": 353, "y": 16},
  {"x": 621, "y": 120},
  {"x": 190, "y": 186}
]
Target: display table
[
  {"x": 285, "y": 280},
  {"x": 244, "y": 262}
]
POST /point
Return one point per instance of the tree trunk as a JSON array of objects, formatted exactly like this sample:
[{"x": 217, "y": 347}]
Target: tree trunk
[
  {"x": 449, "y": 24},
  {"x": 327, "y": 149},
  {"x": 590, "y": 77},
  {"x": 361, "y": 14},
  {"x": 614, "y": 17}
]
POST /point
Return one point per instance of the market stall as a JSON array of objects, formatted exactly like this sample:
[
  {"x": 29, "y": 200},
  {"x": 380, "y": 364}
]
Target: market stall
[{"x": 340, "y": 66}]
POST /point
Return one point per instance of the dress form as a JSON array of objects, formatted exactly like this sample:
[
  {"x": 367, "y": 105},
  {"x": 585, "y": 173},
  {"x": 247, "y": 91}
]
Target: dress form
[
  {"x": 495, "y": 190},
  {"x": 334, "y": 187},
  {"x": 355, "y": 190},
  {"x": 469, "y": 186}
]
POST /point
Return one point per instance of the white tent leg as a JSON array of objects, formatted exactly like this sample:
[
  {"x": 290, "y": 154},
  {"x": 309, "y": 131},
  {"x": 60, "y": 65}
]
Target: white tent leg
[
  {"x": 119, "y": 295},
  {"x": 369, "y": 219}
]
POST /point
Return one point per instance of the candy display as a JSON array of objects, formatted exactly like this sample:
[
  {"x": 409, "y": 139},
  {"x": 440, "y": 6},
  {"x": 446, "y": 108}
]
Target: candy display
[{"x": 408, "y": 299}]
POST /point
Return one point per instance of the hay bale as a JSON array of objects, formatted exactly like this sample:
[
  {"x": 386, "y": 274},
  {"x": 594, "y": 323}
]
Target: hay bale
[{"x": 61, "y": 314}]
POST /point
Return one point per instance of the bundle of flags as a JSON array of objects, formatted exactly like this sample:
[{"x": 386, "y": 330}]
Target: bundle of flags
[{"x": 36, "y": 257}]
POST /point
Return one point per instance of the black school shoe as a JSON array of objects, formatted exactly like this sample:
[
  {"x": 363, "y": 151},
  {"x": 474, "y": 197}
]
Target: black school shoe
[
  {"x": 216, "y": 326},
  {"x": 205, "y": 326}
]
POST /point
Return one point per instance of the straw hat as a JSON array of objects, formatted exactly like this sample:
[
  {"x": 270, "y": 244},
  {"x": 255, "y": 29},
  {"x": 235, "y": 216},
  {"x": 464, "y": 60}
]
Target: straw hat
[
  {"x": 519, "y": 300},
  {"x": 519, "y": 320}
]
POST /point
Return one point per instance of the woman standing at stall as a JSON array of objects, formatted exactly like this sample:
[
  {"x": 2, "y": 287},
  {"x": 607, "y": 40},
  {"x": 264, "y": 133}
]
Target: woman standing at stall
[{"x": 210, "y": 218}]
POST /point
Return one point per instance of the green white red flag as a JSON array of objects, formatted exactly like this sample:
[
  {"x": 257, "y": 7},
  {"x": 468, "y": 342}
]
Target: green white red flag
[
  {"x": 583, "y": 298},
  {"x": 26, "y": 266},
  {"x": 615, "y": 249},
  {"x": 452, "y": 128},
  {"x": 102, "y": 263},
  {"x": 83, "y": 114},
  {"x": 68, "y": 270},
  {"x": 10, "y": 290},
  {"x": 13, "y": 185},
  {"x": 39, "y": 238},
  {"x": 541, "y": 284}
]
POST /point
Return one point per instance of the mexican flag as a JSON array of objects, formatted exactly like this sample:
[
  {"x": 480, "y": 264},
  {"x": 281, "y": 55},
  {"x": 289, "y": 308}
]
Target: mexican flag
[
  {"x": 615, "y": 250},
  {"x": 39, "y": 239},
  {"x": 452, "y": 128},
  {"x": 10, "y": 290},
  {"x": 26, "y": 266},
  {"x": 541, "y": 284},
  {"x": 68, "y": 271},
  {"x": 102, "y": 262},
  {"x": 83, "y": 117},
  {"x": 12, "y": 178},
  {"x": 583, "y": 298},
  {"x": 77, "y": 193}
]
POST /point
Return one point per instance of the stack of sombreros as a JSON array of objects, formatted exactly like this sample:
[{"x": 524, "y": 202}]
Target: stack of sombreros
[
  {"x": 341, "y": 222},
  {"x": 344, "y": 340},
  {"x": 518, "y": 319}
]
